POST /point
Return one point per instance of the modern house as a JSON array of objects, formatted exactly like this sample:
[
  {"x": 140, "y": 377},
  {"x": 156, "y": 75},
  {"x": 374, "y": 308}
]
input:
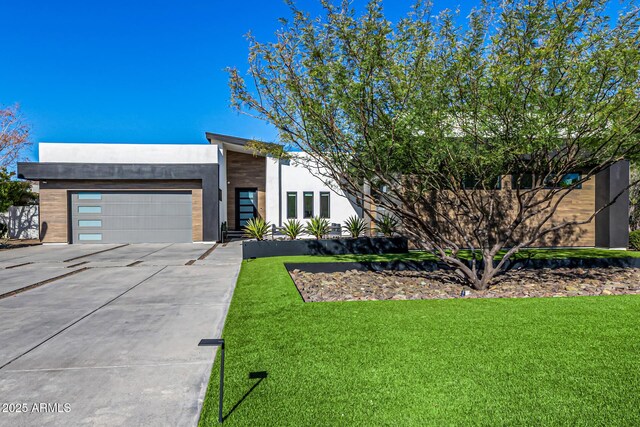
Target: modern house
[{"x": 131, "y": 193}]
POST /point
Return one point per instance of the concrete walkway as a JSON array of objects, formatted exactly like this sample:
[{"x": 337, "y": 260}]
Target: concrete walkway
[{"x": 112, "y": 345}]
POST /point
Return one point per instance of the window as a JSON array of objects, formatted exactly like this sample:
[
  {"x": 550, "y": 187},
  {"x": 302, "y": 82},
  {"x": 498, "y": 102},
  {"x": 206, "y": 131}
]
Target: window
[
  {"x": 522, "y": 182},
  {"x": 90, "y": 209},
  {"x": 89, "y": 237},
  {"x": 474, "y": 183},
  {"x": 292, "y": 205},
  {"x": 90, "y": 223},
  {"x": 307, "y": 204},
  {"x": 89, "y": 196},
  {"x": 566, "y": 181},
  {"x": 324, "y": 204}
]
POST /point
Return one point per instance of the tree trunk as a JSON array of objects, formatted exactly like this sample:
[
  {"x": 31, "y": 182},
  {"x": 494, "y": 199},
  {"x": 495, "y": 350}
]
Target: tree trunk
[{"x": 481, "y": 279}]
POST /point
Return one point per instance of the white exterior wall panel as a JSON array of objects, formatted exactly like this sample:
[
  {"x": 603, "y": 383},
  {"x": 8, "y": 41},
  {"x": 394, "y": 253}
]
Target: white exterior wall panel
[
  {"x": 297, "y": 178},
  {"x": 53, "y": 152}
]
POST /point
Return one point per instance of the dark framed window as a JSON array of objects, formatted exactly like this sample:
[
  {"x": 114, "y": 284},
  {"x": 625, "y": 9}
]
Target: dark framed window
[
  {"x": 523, "y": 181},
  {"x": 292, "y": 205},
  {"x": 307, "y": 204},
  {"x": 471, "y": 182},
  {"x": 566, "y": 181},
  {"x": 325, "y": 204}
]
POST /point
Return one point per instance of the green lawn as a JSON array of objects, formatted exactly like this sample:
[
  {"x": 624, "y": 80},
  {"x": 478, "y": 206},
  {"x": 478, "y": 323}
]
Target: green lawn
[{"x": 548, "y": 361}]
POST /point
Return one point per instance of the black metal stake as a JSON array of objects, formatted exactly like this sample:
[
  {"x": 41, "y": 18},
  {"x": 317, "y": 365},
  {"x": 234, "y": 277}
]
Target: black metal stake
[
  {"x": 217, "y": 342},
  {"x": 221, "y": 382}
]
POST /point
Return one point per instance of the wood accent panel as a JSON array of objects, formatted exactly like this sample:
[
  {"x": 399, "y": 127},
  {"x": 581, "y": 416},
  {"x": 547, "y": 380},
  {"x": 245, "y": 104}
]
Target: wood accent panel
[
  {"x": 578, "y": 205},
  {"x": 54, "y": 215},
  {"x": 245, "y": 171},
  {"x": 196, "y": 216}
]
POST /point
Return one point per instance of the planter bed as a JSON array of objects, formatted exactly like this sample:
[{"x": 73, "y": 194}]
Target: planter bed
[
  {"x": 363, "y": 281},
  {"x": 340, "y": 246}
]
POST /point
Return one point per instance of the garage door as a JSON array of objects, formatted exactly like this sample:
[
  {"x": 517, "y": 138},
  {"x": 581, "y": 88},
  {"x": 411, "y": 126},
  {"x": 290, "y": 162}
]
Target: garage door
[{"x": 130, "y": 217}]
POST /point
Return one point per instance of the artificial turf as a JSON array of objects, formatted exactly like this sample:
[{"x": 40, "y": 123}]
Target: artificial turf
[{"x": 543, "y": 361}]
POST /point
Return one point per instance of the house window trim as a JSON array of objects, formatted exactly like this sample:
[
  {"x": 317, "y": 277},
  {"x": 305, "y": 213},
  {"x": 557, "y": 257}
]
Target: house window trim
[
  {"x": 295, "y": 204},
  {"x": 328, "y": 194}
]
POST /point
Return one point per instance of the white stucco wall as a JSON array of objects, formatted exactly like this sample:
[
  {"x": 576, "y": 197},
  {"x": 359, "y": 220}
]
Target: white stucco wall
[
  {"x": 22, "y": 222},
  {"x": 298, "y": 178},
  {"x": 50, "y": 152}
]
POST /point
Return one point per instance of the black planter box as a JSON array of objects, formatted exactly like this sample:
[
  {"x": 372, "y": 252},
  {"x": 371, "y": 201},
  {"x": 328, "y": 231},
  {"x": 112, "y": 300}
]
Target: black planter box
[{"x": 346, "y": 246}]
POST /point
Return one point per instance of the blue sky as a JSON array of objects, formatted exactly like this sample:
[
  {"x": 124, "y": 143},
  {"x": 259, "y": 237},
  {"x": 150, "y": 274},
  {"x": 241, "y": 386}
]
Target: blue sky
[
  {"x": 133, "y": 71},
  {"x": 136, "y": 71}
]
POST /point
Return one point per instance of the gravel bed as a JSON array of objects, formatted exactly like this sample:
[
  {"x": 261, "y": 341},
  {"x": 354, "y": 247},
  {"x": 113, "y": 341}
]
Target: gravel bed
[{"x": 357, "y": 285}]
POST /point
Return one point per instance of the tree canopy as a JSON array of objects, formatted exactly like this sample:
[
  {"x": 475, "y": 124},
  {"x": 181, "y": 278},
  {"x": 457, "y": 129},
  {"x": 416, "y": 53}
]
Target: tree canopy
[
  {"x": 435, "y": 116},
  {"x": 14, "y": 135}
]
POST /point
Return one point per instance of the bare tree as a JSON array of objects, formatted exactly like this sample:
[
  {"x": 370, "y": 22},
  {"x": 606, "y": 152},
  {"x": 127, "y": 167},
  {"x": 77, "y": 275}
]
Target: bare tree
[
  {"x": 14, "y": 136},
  {"x": 472, "y": 136}
]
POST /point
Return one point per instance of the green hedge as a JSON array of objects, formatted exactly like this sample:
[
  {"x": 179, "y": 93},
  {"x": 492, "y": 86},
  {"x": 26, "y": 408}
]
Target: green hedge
[{"x": 634, "y": 240}]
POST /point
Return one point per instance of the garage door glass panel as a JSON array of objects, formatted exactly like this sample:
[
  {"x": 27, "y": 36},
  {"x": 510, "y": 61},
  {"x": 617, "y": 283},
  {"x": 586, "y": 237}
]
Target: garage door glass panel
[
  {"x": 89, "y": 196},
  {"x": 90, "y": 236},
  {"x": 90, "y": 223},
  {"x": 89, "y": 209}
]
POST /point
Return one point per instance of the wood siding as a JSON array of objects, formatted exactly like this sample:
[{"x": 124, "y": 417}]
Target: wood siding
[
  {"x": 579, "y": 205},
  {"x": 245, "y": 171},
  {"x": 196, "y": 219},
  {"x": 54, "y": 216}
]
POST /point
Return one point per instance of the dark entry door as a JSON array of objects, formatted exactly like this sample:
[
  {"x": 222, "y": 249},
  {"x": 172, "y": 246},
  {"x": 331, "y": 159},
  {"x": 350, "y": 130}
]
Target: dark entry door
[{"x": 246, "y": 205}]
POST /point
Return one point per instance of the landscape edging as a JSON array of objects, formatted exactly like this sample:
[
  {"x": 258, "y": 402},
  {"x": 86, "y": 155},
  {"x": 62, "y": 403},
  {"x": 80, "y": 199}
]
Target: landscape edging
[
  {"x": 533, "y": 264},
  {"x": 342, "y": 246}
]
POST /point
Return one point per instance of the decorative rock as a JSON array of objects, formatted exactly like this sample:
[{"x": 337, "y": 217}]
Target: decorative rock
[{"x": 525, "y": 283}]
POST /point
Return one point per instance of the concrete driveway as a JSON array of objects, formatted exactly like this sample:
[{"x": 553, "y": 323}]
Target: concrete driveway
[{"x": 108, "y": 334}]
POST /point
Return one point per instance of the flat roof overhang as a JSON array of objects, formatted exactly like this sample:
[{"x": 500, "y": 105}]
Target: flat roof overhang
[{"x": 100, "y": 171}]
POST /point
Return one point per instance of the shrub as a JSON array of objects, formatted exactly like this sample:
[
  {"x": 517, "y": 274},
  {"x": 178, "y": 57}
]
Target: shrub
[
  {"x": 256, "y": 228},
  {"x": 634, "y": 240},
  {"x": 292, "y": 229},
  {"x": 317, "y": 227},
  {"x": 355, "y": 226},
  {"x": 387, "y": 225}
]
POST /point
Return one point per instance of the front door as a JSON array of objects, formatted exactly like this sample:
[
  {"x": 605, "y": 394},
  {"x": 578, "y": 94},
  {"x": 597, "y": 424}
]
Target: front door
[{"x": 246, "y": 206}]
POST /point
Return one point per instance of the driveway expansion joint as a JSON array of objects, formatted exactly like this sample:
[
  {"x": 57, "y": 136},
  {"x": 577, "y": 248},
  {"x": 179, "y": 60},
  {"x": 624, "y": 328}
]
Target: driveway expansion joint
[
  {"x": 207, "y": 252},
  {"x": 95, "y": 253},
  {"x": 81, "y": 318},
  {"x": 41, "y": 283},
  {"x": 18, "y": 265}
]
